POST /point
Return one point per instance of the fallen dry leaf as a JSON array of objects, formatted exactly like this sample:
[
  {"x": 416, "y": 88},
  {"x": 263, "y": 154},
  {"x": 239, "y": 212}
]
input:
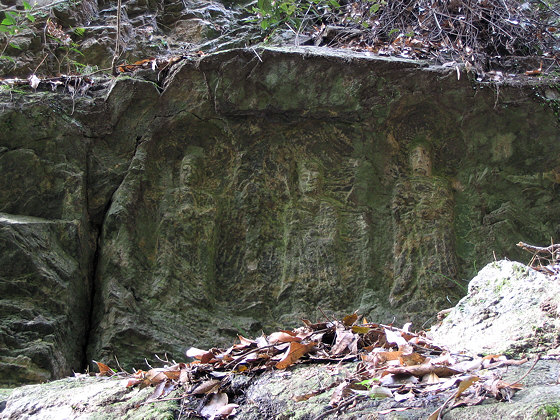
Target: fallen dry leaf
[
  {"x": 294, "y": 352},
  {"x": 339, "y": 393},
  {"x": 390, "y": 410},
  {"x": 283, "y": 337},
  {"x": 431, "y": 378},
  {"x": 134, "y": 382},
  {"x": 465, "y": 383},
  {"x": 157, "y": 392},
  {"x": 412, "y": 359},
  {"x": 349, "y": 320},
  {"x": 195, "y": 353},
  {"x": 394, "y": 338},
  {"x": 207, "y": 387},
  {"x": 360, "y": 329},
  {"x": 424, "y": 369},
  {"x": 227, "y": 410},
  {"x": 345, "y": 339},
  {"x": 214, "y": 405},
  {"x": 34, "y": 81},
  {"x": 104, "y": 370}
]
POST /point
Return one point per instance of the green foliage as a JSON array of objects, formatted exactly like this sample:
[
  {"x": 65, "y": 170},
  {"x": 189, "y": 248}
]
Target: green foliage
[
  {"x": 13, "y": 23},
  {"x": 374, "y": 8},
  {"x": 58, "y": 44},
  {"x": 550, "y": 411},
  {"x": 368, "y": 383},
  {"x": 271, "y": 14}
]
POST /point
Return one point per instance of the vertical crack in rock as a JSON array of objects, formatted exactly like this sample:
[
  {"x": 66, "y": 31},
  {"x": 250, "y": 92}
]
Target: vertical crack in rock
[
  {"x": 93, "y": 289},
  {"x": 96, "y": 229}
]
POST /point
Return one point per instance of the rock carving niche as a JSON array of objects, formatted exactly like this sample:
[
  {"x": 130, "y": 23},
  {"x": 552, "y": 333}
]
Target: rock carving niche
[
  {"x": 424, "y": 262},
  {"x": 314, "y": 272},
  {"x": 186, "y": 239},
  {"x": 309, "y": 236}
]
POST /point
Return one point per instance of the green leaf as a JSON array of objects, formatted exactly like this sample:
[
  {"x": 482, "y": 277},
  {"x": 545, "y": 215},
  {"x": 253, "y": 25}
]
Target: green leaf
[
  {"x": 5, "y": 57},
  {"x": 374, "y": 8},
  {"x": 17, "y": 47},
  {"x": 76, "y": 51},
  {"x": 9, "y": 20},
  {"x": 265, "y": 5},
  {"x": 30, "y": 17},
  {"x": 80, "y": 31},
  {"x": 26, "y": 5},
  {"x": 368, "y": 382}
]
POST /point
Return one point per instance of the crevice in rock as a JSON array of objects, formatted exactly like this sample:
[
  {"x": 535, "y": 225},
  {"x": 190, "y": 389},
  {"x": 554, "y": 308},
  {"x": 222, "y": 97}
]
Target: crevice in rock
[
  {"x": 96, "y": 229},
  {"x": 93, "y": 291}
]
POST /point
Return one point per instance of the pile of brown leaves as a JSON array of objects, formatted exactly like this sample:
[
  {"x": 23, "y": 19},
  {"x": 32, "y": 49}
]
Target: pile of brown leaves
[{"x": 392, "y": 363}]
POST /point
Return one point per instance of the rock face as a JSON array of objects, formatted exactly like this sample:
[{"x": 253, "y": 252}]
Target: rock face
[
  {"x": 46, "y": 287},
  {"x": 510, "y": 309},
  {"x": 304, "y": 391},
  {"x": 86, "y": 35},
  {"x": 254, "y": 187}
]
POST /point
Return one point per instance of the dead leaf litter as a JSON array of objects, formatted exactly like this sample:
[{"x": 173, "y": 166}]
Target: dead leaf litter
[{"x": 391, "y": 363}]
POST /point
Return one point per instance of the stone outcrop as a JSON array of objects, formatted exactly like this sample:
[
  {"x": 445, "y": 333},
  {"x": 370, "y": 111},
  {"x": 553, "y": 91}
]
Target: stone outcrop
[
  {"x": 271, "y": 395},
  {"x": 251, "y": 188},
  {"x": 512, "y": 289},
  {"x": 510, "y": 309},
  {"x": 150, "y": 28}
]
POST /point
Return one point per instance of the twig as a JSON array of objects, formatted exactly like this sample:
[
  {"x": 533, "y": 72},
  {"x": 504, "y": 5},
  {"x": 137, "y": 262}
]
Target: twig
[
  {"x": 339, "y": 407},
  {"x": 539, "y": 249},
  {"x": 117, "y": 38},
  {"x": 530, "y": 369},
  {"x": 324, "y": 314},
  {"x": 120, "y": 367},
  {"x": 242, "y": 355},
  {"x": 37, "y": 68},
  {"x": 163, "y": 399}
]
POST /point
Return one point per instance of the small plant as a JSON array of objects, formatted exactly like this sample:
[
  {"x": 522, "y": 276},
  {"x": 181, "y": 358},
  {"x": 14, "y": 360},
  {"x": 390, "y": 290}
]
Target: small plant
[
  {"x": 368, "y": 383},
  {"x": 57, "y": 43},
  {"x": 80, "y": 31},
  {"x": 550, "y": 412},
  {"x": 463, "y": 286},
  {"x": 13, "y": 23},
  {"x": 64, "y": 43},
  {"x": 294, "y": 14},
  {"x": 374, "y": 389}
]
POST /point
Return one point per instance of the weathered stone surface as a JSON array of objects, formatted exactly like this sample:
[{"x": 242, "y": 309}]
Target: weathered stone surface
[
  {"x": 46, "y": 245},
  {"x": 52, "y": 200},
  {"x": 45, "y": 300},
  {"x": 149, "y": 28},
  {"x": 510, "y": 309},
  {"x": 84, "y": 398},
  {"x": 256, "y": 186},
  {"x": 271, "y": 396}
]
